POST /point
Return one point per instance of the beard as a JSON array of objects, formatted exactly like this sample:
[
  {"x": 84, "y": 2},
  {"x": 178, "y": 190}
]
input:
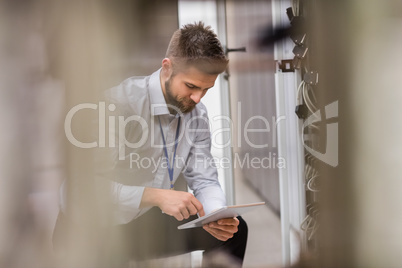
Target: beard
[{"x": 176, "y": 103}]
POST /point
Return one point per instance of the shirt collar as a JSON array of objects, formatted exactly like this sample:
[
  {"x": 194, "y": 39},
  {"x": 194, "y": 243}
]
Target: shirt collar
[{"x": 158, "y": 103}]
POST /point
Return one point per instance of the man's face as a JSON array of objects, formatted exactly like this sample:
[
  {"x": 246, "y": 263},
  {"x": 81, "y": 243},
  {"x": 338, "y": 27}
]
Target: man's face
[{"x": 186, "y": 88}]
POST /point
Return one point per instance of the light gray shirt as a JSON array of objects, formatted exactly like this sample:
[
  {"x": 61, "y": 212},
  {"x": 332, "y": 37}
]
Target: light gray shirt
[{"x": 137, "y": 159}]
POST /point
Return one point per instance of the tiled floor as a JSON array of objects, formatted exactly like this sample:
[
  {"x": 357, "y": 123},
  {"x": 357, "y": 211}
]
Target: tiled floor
[{"x": 264, "y": 242}]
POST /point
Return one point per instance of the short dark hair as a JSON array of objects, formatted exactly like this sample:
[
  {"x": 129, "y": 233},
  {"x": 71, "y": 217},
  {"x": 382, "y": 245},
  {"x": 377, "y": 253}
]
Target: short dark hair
[{"x": 197, "y": 45}]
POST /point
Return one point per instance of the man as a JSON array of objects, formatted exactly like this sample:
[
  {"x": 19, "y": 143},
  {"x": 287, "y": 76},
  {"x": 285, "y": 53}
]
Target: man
[{"x": 164, "y": 134}]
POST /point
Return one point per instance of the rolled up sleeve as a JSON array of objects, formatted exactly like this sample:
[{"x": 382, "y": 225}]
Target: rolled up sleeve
[{"x": 127, "y": 200}]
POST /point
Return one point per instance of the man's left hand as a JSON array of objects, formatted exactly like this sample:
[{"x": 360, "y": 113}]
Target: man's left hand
[{"x": 222, "y": 229}]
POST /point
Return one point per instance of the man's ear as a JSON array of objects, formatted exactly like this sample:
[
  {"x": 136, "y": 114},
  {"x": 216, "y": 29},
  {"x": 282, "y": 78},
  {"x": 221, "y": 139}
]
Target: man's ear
[{"x": 167, "y": 67}]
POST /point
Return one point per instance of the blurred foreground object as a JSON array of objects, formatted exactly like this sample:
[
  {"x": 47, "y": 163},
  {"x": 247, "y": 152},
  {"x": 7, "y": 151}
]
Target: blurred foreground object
[{"x": 53, "y": 56}]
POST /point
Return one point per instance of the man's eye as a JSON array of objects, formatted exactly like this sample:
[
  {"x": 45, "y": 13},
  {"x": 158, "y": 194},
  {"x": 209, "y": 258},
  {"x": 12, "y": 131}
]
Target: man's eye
[{"x": 190, "y": 86}]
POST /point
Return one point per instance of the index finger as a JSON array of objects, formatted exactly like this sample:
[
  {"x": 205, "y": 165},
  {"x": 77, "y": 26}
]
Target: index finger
[{"x": 198, "y": 206}]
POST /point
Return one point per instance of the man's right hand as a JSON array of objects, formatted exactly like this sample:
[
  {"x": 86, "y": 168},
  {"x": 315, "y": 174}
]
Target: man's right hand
[{"x": 178, "y": 204}]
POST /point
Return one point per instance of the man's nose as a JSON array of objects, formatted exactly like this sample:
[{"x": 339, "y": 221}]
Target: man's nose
[{"x": 196, "y": 96}]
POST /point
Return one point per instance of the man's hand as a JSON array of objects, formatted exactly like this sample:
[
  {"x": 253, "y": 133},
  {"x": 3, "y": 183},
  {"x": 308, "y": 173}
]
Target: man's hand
[
  {"x": 222, "y": 229},
  {"x": 174, "y": 203}
]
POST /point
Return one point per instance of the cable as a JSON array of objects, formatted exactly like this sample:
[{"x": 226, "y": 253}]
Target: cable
[
  {"x": 295, "y": 7},
  {"x": 308, "y": 101},
  {"x": 299, "y": 93},
  {"x": 309, "y": 184}
]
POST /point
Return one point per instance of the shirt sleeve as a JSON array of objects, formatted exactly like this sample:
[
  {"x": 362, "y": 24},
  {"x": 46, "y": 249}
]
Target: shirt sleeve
[
  {"x": 125, "y": 192},
  {"x": 201, "y": 173},
  {"x": 127, "y": 200},
  {"x": 125, "y": 195}
]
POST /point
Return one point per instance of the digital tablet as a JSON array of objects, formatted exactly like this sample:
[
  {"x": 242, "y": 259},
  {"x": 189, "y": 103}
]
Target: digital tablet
[{"x": 224, "y": 212}]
